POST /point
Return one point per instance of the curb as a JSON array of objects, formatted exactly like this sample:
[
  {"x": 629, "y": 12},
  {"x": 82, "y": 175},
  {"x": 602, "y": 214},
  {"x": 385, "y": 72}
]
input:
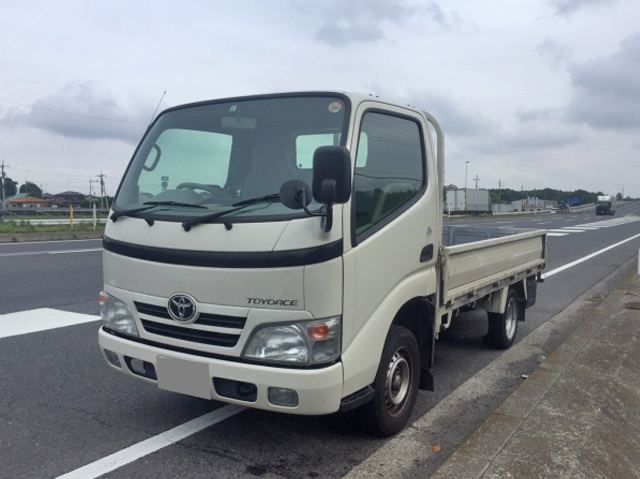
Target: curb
[
  {"x": 57, "y": 236},
  {"x": 473, "y": 457}
]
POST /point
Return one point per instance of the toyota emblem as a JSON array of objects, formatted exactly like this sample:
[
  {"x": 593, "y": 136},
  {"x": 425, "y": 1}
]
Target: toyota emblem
[{"x": 182, "y": 308}]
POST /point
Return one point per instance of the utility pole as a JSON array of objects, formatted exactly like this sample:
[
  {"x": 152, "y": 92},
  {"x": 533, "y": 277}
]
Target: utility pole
[
  {"x": 2, "y": 200},
  {"x": 91, "y": 187},
  {"x": 476, "y": 179},
  {"x": 2, "y": 177},
  {"x": 466, "y": 166},
  {"x": 500, "y": 185},
  {"x": 103, "y": 191},
  {"x": 466, "y": 195}
]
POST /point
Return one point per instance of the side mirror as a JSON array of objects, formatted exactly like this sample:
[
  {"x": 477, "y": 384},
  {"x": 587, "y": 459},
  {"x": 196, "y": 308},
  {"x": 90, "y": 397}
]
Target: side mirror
[
  {"x": 295, "y": 194},
  {"x": 331, "y": 175}
]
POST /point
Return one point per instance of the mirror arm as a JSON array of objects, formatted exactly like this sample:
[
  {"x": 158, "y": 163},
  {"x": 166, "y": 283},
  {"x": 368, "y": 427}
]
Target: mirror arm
[{"x": 328, "y": 214}]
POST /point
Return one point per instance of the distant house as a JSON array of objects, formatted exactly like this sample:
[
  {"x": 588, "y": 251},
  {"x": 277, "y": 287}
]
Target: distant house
[
  {"x": 68, "y": 198},
  {"x": 21, "y": 200}
]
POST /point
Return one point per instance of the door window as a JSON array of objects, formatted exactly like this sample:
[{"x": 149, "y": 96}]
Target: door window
[{"x": 389, "y": 170}]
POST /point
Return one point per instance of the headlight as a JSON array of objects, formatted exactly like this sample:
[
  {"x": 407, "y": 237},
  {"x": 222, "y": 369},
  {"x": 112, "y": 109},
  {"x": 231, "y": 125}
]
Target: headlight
[
  {"x": 305, "y": 342},
  {"x": 116, "y": 315}
]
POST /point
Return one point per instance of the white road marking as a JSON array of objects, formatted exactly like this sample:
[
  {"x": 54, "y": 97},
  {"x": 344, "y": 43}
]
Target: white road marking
[
  {"x": 24, "y": 322},
  {"x": 557, "y": 234},
  {"x": 76, "y": 251},
  {"x": 567, "y": 231},
  {"x": 588, "y": 257},
  {"x": 48, "y": 241},
  {"x": 153, "y": 444},
  {"x": 34, "y": 253}
]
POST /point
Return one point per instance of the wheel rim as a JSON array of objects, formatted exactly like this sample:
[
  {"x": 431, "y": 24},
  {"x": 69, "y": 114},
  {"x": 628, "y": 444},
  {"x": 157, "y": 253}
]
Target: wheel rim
[
  {"x": 511, "y": 319},
  {"x": 398, "y": 382}
]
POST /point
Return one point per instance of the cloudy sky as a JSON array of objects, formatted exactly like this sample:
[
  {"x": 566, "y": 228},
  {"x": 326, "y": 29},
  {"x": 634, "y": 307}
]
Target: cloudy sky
[{"x": 533, "y": 93}]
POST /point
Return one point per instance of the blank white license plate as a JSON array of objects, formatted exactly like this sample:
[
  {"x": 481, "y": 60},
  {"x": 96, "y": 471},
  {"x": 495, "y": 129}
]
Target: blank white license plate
[{"x": 185, "y": 377}]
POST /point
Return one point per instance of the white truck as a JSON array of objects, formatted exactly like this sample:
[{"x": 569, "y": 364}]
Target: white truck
[
  {"x": 464, "y": 200},
  {"x": 287, "y": 253},
  {"x": 606, "y": 205}
]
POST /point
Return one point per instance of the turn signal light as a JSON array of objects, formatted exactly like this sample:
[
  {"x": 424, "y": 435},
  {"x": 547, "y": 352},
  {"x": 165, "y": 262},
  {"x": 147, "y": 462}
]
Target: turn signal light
[
  {"x": 102, "y": 298},
  {"x": 318, "y": 331}
]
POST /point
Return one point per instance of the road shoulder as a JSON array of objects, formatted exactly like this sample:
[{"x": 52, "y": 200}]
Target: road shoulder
[{"x": 419, "y": 451}]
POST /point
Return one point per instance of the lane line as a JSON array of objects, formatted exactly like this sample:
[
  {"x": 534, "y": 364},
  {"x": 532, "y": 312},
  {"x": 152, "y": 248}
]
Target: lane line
[
  {"x": 153, "y": 444},
  {"x": 557, "y": 234},
  {"x": 588, "y": 257},
  {"x": 75, "y": 251},
  {"x": 49, "y": 241},
  {"x": 566, "y": 231},
  {"x": 24, "y": 322},
  {"x": 35, "y": 253}
]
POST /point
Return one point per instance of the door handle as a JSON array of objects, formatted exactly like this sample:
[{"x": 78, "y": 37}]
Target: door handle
[{"x": 427, "y": 253}]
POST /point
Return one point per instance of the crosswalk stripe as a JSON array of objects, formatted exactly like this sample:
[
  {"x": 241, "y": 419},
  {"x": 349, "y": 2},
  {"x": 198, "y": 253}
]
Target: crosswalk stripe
[{"x": 32, "y": 321}]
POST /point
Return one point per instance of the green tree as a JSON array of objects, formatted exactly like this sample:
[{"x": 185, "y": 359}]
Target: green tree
[
  {"x": 31, "y": 189},
  {"x": 10, "y": 187}
]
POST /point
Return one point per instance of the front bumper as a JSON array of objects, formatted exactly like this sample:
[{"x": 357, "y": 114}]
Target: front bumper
[{"x": 319, "y": 390}]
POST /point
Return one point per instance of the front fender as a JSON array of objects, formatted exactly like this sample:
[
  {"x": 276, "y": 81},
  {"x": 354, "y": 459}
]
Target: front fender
[{"x": 361, "y": 357}]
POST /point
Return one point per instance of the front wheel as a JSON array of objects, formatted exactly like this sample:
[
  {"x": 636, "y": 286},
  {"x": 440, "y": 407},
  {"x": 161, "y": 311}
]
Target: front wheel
[
  {"x": 396, "y": 385},
  {"x": 504, "y": 326}
]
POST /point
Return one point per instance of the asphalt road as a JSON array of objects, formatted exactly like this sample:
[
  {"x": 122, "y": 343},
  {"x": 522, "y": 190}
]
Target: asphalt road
[{"x": 62, "y": 408}]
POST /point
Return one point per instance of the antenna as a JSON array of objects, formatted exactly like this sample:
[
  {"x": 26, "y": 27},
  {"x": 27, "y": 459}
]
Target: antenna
[{"x": 154, "y": 113}]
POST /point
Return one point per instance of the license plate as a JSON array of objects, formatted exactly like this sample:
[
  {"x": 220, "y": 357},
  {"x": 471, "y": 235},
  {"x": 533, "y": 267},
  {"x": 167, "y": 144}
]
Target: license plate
[{"x": 185, "y": 377}]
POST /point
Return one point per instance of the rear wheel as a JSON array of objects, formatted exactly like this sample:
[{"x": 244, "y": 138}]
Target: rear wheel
[
  {"x": 396, "y": 385},
  {"x": 504, "y": 326}
]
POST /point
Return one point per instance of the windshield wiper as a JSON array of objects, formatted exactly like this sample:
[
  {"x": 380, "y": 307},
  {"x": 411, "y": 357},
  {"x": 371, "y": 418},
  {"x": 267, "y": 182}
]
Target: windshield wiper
[
  {"x": 173, "y": 203},
  {"x": 151, "y": 204},
  {"x": 240, "y": 205}
]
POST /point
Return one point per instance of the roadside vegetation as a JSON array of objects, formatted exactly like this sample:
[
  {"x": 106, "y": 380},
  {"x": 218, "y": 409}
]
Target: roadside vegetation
[{"x": 23, "y": 226}]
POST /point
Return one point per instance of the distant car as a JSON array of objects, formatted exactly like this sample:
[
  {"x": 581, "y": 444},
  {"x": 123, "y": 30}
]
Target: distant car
[{"x": 562, "y": 208}]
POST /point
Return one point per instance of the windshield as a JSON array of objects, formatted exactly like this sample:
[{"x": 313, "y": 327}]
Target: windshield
[{"x": 219, "y": 154}]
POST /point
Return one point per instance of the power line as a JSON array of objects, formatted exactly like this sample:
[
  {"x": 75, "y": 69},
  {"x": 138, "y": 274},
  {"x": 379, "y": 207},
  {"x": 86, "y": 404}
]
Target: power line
[{"x": 73, "y": 114}]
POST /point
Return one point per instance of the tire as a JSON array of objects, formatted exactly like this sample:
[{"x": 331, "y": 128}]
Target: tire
[
  {"x": 503, "y": 327},
  {"x": 396, "y": 385}
]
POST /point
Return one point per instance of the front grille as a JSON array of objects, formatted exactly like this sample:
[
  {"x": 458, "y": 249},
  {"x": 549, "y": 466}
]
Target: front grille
[
  {"x": 189, "y": 334},
  {"x": 153, "y": 310},
  {"x": 205, "y": 319}
]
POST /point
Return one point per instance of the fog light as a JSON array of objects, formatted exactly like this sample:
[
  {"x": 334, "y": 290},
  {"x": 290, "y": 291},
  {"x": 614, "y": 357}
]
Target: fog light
[
  {"x": 113, "y": 358},
  {"x": 283, "y": 397}
]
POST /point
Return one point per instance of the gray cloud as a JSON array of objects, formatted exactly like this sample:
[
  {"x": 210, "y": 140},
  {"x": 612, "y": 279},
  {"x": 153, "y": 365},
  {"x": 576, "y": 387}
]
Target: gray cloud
[
  {"x": 345, "y": 23},
  {"x": 82, "y": 110},
  {"x": 556, "y": 54},
  {"x": 539, "y": 140},
  {"x": 455, "y": 119},
  {"x": 549, "y": 114},
  {"x": 569, "y": 7},
  {"x": 438, "y": 16},
  {"x": 345, "y": 34},
  {"x": 607, "y": 90},
  {"x": 353, "y": 22}
]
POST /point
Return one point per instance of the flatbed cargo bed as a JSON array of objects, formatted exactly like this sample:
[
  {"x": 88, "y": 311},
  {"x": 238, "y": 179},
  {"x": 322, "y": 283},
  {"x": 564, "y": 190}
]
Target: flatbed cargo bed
[{"x": 476, "y": 262}]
